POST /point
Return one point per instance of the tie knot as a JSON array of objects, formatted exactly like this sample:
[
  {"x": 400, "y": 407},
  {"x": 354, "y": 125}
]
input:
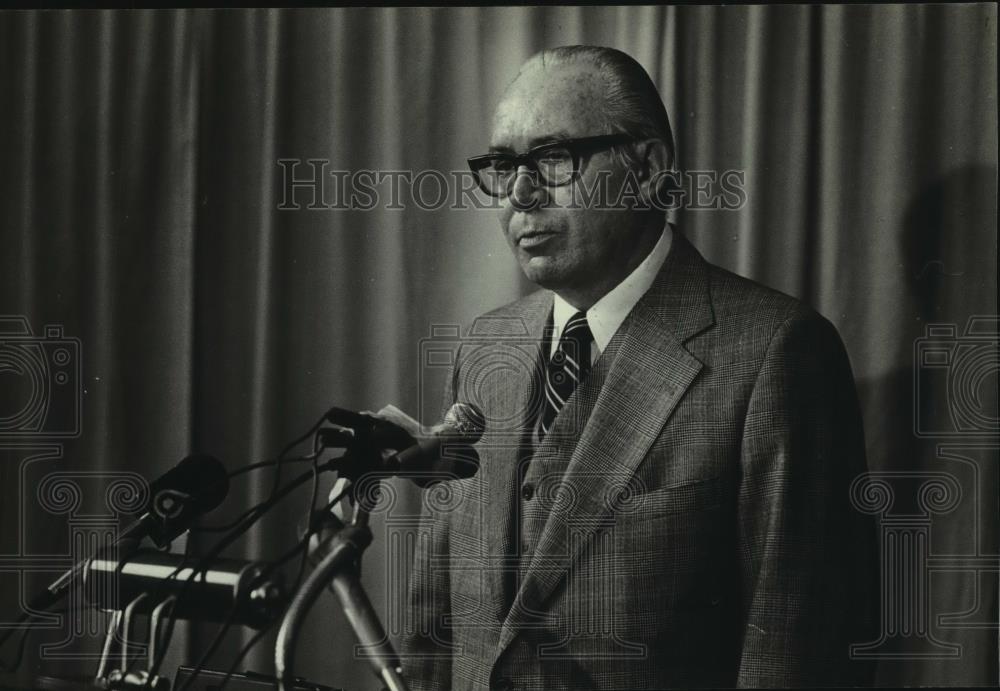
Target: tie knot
[
  {"x": 574, "y": 345},
  {"x": 577, "y": 329},
  {"x": 567, "y": 367}
]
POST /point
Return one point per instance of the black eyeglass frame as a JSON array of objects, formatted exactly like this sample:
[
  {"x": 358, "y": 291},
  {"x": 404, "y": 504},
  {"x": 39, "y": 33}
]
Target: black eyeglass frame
[{"x": 576, "y": 147}]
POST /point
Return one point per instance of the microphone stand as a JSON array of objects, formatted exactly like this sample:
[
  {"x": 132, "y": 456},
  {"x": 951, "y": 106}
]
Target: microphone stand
[{"x": 340, "y": 565}]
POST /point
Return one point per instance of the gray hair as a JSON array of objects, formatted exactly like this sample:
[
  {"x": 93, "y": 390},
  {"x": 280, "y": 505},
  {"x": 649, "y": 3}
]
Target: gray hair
[{"x": 632, "y": 102}]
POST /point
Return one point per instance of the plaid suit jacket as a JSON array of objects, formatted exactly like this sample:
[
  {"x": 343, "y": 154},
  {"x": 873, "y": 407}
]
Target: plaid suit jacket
[{"x": 686, "y": 522}]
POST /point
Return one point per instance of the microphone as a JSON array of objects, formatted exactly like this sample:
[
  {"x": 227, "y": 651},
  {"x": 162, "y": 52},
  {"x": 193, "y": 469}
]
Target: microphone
[
  {"x": 195, "y": 486},
  {"x": 244, "y": 592},
  {"x": 446, "y": 454}
]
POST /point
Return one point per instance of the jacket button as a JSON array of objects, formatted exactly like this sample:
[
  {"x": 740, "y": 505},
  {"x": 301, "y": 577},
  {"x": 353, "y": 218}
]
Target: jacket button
[
  {"x": 503, "y": 684},
  {"x": 527, "y": 492}
]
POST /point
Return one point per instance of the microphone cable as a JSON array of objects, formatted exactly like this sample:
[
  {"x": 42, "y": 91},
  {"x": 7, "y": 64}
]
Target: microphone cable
[{"x": 242, "y": 524}]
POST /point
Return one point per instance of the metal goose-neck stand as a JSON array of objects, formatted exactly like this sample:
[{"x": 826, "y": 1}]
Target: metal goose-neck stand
[{"x": 341, "y": 552}]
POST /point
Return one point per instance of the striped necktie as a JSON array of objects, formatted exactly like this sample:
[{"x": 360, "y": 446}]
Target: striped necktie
[{"x": 567, "y": 367}]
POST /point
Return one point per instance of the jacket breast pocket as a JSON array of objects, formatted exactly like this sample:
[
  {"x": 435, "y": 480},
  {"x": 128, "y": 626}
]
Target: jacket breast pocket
[{"x": 686, "y": 498}]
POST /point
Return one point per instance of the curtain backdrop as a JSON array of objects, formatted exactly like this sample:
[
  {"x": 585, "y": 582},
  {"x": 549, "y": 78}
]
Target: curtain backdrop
[{"x": 139, "y": 210}]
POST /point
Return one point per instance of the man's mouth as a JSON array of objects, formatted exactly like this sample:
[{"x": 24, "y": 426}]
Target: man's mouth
[{"x": 534, "y": 238}]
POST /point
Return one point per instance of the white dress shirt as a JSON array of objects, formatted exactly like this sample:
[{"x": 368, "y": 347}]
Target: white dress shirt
[{"x": 608, "y": 313}]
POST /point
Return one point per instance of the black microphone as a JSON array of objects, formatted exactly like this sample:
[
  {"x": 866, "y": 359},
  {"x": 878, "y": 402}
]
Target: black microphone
[{"x": 195, "y": 486}]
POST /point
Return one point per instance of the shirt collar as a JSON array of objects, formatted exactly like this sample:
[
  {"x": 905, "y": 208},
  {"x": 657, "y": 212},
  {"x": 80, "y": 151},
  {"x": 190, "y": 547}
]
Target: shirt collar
[{"x": 610, "y": 311}]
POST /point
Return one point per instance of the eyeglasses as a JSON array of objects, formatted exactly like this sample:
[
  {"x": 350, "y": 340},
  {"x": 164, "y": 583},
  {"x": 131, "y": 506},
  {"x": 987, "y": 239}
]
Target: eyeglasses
[{"x": 557, "y": 163}]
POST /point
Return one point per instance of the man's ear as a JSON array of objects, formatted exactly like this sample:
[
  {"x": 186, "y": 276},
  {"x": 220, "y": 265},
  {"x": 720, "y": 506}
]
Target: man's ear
[{"x": 653, "y": 165}]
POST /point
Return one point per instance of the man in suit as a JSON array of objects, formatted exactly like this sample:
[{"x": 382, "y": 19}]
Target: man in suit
[{"x": 663, "y": 498}]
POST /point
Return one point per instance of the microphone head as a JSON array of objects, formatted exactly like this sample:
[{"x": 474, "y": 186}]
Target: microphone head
[
  {"x": 200, "y": 477},
  {"x": 464, "y": 423},
  {"x": 196, "y": 485}
]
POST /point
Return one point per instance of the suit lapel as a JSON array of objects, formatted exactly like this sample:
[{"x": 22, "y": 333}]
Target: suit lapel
[{"x": 649, "y": 372}]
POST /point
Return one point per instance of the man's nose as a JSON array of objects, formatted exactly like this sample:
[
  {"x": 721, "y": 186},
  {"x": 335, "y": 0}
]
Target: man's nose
[{"x": 523, "y": 192}]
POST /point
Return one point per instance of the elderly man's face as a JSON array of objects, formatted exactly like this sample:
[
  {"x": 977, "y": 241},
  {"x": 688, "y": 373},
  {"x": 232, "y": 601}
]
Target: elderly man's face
[{"x": 560, "y": 247}]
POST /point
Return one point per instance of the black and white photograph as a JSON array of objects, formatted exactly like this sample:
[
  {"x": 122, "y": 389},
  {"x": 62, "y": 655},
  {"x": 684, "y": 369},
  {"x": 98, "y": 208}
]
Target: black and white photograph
[{"x": 499, "y": 348}]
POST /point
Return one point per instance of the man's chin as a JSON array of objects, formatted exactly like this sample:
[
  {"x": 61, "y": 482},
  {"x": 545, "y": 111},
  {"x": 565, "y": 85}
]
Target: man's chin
[{"x": 544, "y": 271}]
